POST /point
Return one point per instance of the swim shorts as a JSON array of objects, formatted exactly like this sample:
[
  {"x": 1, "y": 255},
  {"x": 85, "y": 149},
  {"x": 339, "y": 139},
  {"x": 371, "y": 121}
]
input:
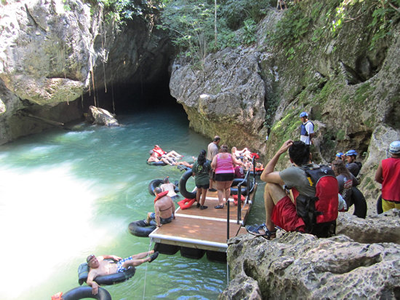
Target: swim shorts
[
  {"x": 203, "y": 186},
  {"x": 120, "y": 268},
  {"x": 388, "y": 205},
  {"x": 284, "y": 215},
  {"x": 162, "y": 220},
  {"x": 224, "y": 176}
]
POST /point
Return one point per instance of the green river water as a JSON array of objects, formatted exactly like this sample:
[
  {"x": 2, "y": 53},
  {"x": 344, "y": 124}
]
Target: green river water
[{"x": 65, "y": 194}]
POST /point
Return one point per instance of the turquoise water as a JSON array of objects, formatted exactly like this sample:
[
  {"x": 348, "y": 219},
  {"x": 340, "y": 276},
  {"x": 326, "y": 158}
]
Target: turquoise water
[{"x": 67, "y": 194}]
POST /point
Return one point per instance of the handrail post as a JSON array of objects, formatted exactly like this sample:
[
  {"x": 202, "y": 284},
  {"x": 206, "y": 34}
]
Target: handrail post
[
  {"x": 239, "y": 210},
  {"x": 227, "y": 219}
]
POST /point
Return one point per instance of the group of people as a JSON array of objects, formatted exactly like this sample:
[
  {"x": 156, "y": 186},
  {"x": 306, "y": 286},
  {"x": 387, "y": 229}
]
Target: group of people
[{"x": 280, "y": 205}]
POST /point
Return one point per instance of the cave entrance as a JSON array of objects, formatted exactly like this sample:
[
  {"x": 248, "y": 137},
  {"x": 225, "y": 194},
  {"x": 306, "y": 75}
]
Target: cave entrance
[{"x": 133, "y": 96}]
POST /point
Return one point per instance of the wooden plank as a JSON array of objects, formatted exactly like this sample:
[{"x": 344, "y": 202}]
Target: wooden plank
[{"x": 203, "y": 229}]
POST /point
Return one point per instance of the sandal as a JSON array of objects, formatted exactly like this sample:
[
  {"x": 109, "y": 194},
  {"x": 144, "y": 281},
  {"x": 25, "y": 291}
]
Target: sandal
[
  {"x": 219, "y": 207},
  {"x": 257, "y": 231},
  {"x": 153, "y": 256}
]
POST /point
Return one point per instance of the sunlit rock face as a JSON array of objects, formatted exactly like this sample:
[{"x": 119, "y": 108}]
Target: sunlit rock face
[
  {"x": 102, "y": 117},
  {"x": 44, "y": 63},
  {"x": 225, "y": 96},
  {"x": 301, "y": 266},
  {"x": 59, "y": 57},
  {"x": 349, "y": 88}
]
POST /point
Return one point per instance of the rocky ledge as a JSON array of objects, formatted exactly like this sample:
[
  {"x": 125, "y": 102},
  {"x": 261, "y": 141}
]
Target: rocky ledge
[{"x": 301, "y": 266}]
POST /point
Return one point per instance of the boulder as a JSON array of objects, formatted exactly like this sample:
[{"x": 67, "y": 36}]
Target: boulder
[
  {"x": 102, "y": 117},
  {"x": 301, "y": 266},
  {"x": 373, "y": 229}
]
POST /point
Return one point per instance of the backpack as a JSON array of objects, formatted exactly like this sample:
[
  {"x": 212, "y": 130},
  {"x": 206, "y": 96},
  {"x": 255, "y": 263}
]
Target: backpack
[
  {"x": 319, "y": 212},
  {"x": 359, "y": 164}
]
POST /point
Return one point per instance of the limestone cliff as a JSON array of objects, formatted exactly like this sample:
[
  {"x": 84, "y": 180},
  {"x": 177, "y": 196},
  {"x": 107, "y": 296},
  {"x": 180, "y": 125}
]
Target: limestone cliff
[
  {"x": 59, "y": 57},
  {"x": 349, "y": 87}
]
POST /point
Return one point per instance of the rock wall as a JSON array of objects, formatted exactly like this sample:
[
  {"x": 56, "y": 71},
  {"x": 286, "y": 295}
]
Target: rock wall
[
  {"x": 224, "y": 96},
  {"x": 301, "y": 266},
  {"x": 59, "y": 57},
  {"x": 350, "y": 89}
]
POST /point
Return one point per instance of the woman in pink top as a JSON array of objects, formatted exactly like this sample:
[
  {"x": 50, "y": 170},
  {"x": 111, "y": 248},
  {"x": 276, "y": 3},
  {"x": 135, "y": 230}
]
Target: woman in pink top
[{"x": 224, "y": 165}]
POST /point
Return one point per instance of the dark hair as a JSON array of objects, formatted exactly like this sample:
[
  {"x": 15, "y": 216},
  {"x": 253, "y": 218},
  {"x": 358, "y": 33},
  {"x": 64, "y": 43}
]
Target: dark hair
[
  {"x": 224, "y": 148},
  {"x": 339, "y": 167},
  {"x": 157, "y": 190},
  {"x": 166, "y": 179},
  {"x": 201, "y": 159},
  {"x": 216, "y": 138},
  {"x": 299, "y": 153}
]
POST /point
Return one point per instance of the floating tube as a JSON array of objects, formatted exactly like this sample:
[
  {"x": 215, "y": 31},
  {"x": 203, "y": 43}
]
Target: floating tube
[
  {"x": 141, "y": 229},
  {"x": 153, "y": 184},
  {"x": 83, "y": 272},
  {"x": 244, "y": 188},
  {"x": 157, "y": 182},
  {"x": 84, "y": 292},
  {"x": 379, "y": 208},
  {"x": 156, "y": 163},
  {"x": 182, "y": 185},
  {"x": 360, "y": 205}
]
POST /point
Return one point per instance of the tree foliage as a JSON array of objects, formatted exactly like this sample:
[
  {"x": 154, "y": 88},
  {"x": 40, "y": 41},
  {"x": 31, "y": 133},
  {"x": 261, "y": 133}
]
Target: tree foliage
[{"x": 191, "y": 24}]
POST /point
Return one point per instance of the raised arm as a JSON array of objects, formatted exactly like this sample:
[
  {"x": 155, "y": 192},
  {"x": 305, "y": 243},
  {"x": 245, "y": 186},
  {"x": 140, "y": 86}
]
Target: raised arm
[{"x": 269, "y": 175}]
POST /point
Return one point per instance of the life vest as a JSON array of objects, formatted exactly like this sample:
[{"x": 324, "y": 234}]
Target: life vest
[
  {"x": 235, "y": 199},
  {"x": 160, "y": 195},
  {"x": 160, "y": 152},
  {"x": 186, "y": 203},
  {"x": 303, "y": 130},
  {"x": 255, "y": 155}
]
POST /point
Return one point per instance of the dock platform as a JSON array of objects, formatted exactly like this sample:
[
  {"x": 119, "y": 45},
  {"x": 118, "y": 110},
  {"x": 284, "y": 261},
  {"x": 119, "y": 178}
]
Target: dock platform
[{"x": 204, "y": 230}]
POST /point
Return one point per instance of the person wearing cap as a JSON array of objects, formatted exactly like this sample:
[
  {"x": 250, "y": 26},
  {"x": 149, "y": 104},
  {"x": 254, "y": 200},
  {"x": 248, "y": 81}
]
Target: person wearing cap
[
  {"x": 212, "y": 150},
  {"x": 101, "y": 265},
  {"x": 352, "y": 165},
  {"x": 388, "y": 174},
  {"x": 170, "y": 187},
  {"x": 306, "y": 129}
]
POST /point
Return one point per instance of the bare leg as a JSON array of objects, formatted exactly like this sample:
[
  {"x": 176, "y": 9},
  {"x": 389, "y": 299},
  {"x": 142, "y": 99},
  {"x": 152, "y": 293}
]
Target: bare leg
[
  {"x": 220, "y": 197},
  {"x": 203, "y": 197},
  {"x": 272, "y": 194},
  {"x": 148, "y": 219},
  {"x": 142, "y": 255}
]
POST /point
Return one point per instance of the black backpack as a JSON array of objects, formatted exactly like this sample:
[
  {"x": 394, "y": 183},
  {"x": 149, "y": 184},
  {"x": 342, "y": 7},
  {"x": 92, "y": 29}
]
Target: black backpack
[{"x": 319, "y": 212}]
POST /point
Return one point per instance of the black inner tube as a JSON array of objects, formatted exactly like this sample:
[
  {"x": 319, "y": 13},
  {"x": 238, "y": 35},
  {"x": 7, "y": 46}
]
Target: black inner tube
[
  {"x": 84, "y": 292},
  {"x": 182, "y": 185},
  {"x": 83, "y": 272}
]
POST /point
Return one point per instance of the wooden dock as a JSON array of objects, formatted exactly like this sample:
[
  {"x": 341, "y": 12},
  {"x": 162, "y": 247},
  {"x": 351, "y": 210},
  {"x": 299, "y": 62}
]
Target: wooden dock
[{"x": 206, "y": 229}]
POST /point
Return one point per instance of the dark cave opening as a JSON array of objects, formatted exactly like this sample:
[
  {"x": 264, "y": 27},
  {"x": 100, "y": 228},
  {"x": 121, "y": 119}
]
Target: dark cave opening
[{"x": 130, "y": 97}]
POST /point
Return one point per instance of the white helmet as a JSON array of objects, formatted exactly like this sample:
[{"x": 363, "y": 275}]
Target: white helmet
[{"x": 394, "y": 147}]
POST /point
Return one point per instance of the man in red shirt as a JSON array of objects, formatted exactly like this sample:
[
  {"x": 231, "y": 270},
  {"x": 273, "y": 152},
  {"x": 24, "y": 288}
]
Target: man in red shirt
[{"x": 388, "y": 173}]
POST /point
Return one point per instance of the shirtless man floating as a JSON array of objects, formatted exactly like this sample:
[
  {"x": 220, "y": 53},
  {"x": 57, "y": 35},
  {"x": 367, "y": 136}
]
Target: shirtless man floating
[
  {"x": 101, "y": 265},
  {"x": 164, "y": 208}
]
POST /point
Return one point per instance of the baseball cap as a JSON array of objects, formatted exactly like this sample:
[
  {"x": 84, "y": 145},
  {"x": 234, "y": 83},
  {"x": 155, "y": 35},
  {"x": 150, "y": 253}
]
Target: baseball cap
[{"x": 303, "y": 114}]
